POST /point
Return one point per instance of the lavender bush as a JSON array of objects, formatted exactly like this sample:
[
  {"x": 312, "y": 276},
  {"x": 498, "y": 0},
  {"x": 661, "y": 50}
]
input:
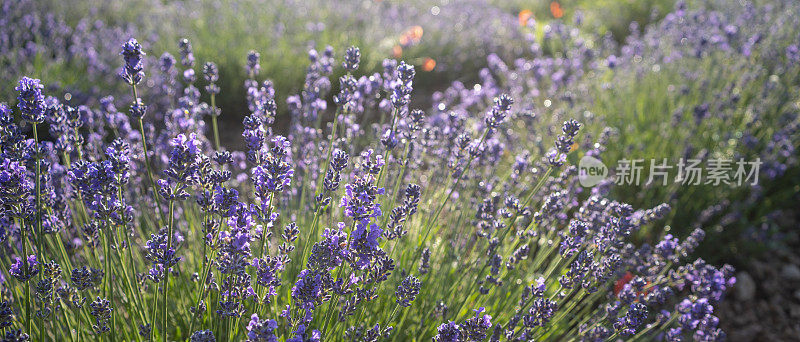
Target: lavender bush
[
  {"x": 369, "y": 218},
  {"x": 717, "y": 77},
  {"x": 325, "y": 233},
  {"x": 416, "y": 31}
]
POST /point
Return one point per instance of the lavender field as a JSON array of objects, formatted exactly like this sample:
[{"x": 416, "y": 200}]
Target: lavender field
[{"x": 380, "y": 170}]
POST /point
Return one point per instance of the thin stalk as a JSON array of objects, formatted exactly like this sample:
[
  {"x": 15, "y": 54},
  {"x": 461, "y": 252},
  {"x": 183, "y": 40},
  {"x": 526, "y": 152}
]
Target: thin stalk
[
  {"x": 313, "y": 230},
  {"x": 438, "y": 211},
  {"x": 166, "y": 269},
  {"x": 153, "y": 316},
  {"x": 386, "y": 153},
  {"x": 386, "y": 220},
  {"x": 109, "y": 288},
  {"x": 147, "y": 162},
  {"x": 38, "y": 236},
  {"x": 27, "y": 283},
  {"x": 513, "y": 221},
  {"x": 391, "y": 316},
  {"x": 202, "y": 293},
  {"x": 398, "y": 181},
  {"x": 335, "y": 297},
  {"x": 214, "y": 121},
  {"x": 264, "y": 245},
  {"x": 133, "y": 293}
]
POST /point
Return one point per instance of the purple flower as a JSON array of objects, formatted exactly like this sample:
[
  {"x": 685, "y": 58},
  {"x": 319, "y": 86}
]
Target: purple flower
[
  {"x": 259, "y": 330},
  {"x": 226, "y": 201},
  {"x": 364, "y": 242},
  {"x": 352, "y": 56},
  {"x": 268, "y": 271},
  {"x": 502, "y": 105},
  {"x": 166, "y": 62},
  {"x": 626, "y": 325},
  {"x": 14, "y": 184},
  {"x": 476, "y": 327},
  {"x": 401, "y": 91},
  {"x": 253, "y": 67},
  {"x": 666, "y": 248},
  {"x": 275, "y": 173},
  {"x": 200, "y": 336},
  {"x": 540, "y": 312},
  {"x": 162, "y": 258},
  {"x": 6, "y": 315},
  {"x": 24, "y": 270},
  {"x": 132, "y": 70},
  {"x": 448, "y": 332},
  {"x": 16, "y": 335},
  {"x": 31, "y": 100},
  {"x": 187, "y": 56},
  {"x": 183, "y": 167},
  {"x": 101, "y": 310},
  {"x": 301, "y": 334},
  {"x": 359, "y": 197},
  {"x": 709, "y": 282},
  {"x": 86, "y": 278},
  {"x": 211, "y": 75},
  {"x": 331, "y": 251},
  {"x": 407, "y": 291}
]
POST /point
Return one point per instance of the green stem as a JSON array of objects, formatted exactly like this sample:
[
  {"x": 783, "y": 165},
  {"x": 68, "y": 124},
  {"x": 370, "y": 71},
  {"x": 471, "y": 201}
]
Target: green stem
[
  {"x": 135, "y": 296},
  {"x": 38, "y": 235},
  {"x": 153, "y": 316},
  {"x": 313, "y": 230},
  {"x": 28, "y": 311},
  {"x": 264, "y": 246},
  {"x": 109, "y": 288},
  {"x": 202, "y": 293},
  {"x": 147, "y": 162},
  {"x": 511, "y": 226},
  {"x": 438, "y": 211},
  {"x": 214, "y": 121},
  {"x": 150, "y": 173},
  {"x": 386, "y": 153},
  {"x": 166, "y": 268}
]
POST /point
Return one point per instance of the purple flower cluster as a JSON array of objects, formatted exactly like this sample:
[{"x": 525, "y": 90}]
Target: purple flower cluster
[
  {"x": 500, "y": 205},
  {"x": 31, "y": 100},
  {"x": 24, "y": 270},
  {"x": 134, "y": 62},
  {"x": 259, "y": 330},
  {"x": 182, "y": 168},
  {"x": 472, "y": 329}
]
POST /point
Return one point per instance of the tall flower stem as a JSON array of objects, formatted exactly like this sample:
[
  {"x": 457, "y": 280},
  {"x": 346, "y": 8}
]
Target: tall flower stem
[
  {"x": 39, "y": 236},
  {"x": 386, "y": 220},
  {"x": 153, "y": 317},
  {"x": 214, "y": 121},
  {"x": 397, "y": 182},
  {"x": 109, "y": 287},
  {"x": 511, "y": 226},
  {"x": 386, "y": 153},
  {"x": 28, "y": 311},
  {"x": 147, "y": 162},
  {"x": 315, "y": 222},
  {"x": 202, "y": 290},
  {"x": 137, "y": 300},
  {"x": 332, "y": 303},
  {"x": 263, "y": 246},
  {"x": 439, "y": 209},
  {"x": 166, "y": 268}
]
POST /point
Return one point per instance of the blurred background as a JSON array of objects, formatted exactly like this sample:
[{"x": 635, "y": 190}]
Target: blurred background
[
  {"x": 74, "y": 45},
  {"x": 76, "y": 42}
]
